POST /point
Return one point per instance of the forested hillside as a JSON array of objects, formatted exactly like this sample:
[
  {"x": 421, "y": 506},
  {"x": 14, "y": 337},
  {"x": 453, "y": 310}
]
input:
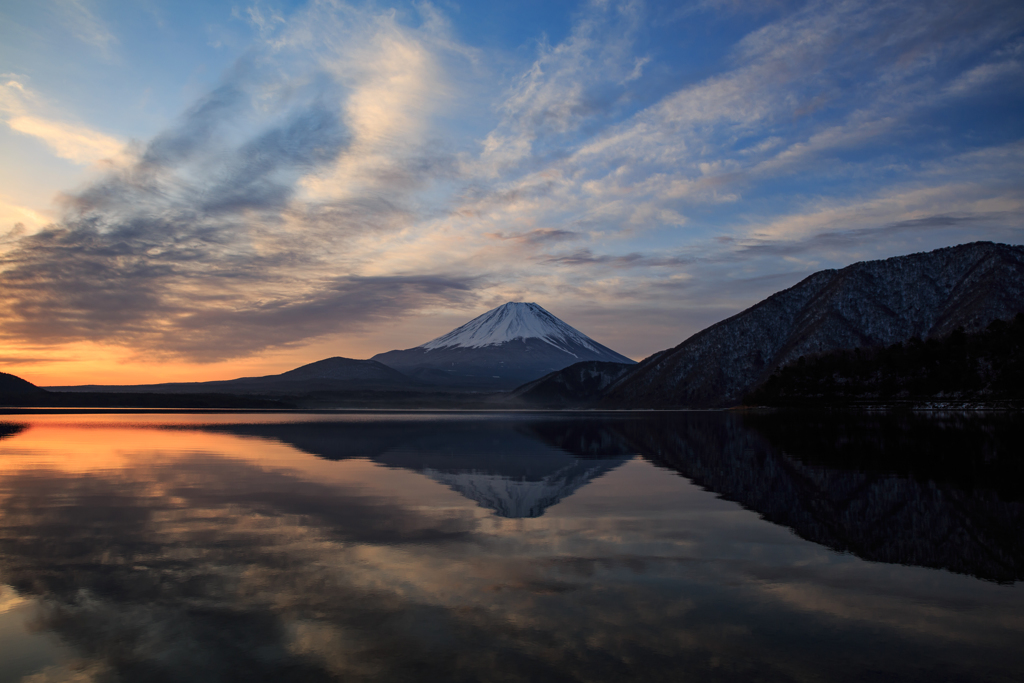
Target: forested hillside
[{"x": 984, "y": 366}]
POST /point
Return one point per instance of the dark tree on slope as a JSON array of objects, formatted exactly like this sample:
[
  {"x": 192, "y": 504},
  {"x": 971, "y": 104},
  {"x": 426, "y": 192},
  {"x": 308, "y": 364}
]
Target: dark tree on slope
[{"x": 987, "y": 365}]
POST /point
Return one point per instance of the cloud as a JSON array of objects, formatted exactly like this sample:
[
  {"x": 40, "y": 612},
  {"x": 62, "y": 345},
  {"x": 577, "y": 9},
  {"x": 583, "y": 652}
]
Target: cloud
[
  {"x": 68, "y": 141},
  {"x": 585, "y": 258},
  {"x": 396, "y": 82},
  {"x": 190, "y": 297},
  {"x": 209, "y": 244},
  {"x": 855, "y": 238},
  {"x": 779, "y": 70},
  {"x": 74, "y": 142},
  {"x": 265, "y": 24},
  {"x": 345, "y": 304},
  {"x": 539, "y": 236},
  {"x": 972, "y": 189},
  {"x": 720, "y": 139},
  {"x": 86, "y": 26},
  {"x": 15, "y": 215},
  {"x": 985, "y": 75},
  {"x": 569, "y": 87},
  {"x": 21, "y": 360}
]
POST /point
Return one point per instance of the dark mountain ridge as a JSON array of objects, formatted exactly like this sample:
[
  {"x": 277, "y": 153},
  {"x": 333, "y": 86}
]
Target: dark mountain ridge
[
  {"x": 16, "y": 392},
  {"x": 330, "y": 374},
  {"x": 867, "y": 304},
  {"x": 12, "y": 385}
]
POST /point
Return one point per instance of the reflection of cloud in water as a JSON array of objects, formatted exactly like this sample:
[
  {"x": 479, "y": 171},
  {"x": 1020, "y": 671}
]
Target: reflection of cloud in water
[
  {"x": 9, "y": 429},
  {"x": 9, "y": 599},
  {"x": 204, "y": 571},
  {"x": 207, "y": 568}
]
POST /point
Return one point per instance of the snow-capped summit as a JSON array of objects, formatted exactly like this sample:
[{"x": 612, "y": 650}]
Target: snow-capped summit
[
  {"x": 511, "y": 321},
  {"x": 505, "y": 347}
]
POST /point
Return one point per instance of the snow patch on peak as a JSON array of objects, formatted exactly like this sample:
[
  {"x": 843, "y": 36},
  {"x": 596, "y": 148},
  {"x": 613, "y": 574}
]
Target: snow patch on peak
[{"x": 511, "y": 321}]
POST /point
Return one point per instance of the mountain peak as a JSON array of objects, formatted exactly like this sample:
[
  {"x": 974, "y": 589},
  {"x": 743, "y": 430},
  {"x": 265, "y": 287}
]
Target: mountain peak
[
  {"x": 505, "y": 347},
  {"x": 509, "y": 322}
]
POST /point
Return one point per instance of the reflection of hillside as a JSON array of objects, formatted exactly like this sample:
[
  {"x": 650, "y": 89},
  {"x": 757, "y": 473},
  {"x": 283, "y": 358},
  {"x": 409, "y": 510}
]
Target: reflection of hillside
[
  {"x": 940, "y": 492},
  {"x": 965, "y": 450},
  {"x": 515, "y": 468},
  {"x": 934, "y": 492},
  {"x": 10, "y": 429}
]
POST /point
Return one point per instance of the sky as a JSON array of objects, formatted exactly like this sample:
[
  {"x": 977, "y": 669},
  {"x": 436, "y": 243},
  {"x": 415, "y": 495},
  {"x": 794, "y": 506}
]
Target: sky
[{"x": 208, "y": 190}]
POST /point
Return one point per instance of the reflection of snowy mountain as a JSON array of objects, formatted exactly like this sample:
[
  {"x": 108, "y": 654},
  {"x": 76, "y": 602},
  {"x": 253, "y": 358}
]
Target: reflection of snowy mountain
[
  {"x": 516, "y": 497},
  {"x": 518, "y": 468}
]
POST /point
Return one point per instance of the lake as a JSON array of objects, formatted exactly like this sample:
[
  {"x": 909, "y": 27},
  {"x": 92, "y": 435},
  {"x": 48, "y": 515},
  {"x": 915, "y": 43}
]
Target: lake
[{"x": 699, "y": 546}]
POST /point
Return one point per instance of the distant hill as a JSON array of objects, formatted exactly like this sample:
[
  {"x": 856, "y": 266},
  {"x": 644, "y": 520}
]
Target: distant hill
[
  {"x": 331, "y": 374},
  {"x": 16, "y": 392},
  {"x": 12, "y": 385},
  {"x": 500, "y": 350},
  {"x": 867, "y": 304},
  {"x": 576, "y": 385}
]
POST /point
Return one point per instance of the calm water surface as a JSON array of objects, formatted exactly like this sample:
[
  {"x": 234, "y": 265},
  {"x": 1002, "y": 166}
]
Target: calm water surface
[{"x": 519, "y": 547}]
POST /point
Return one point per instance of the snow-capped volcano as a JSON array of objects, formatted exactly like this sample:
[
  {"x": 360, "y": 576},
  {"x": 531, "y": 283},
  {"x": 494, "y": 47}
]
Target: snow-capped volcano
[
  {"x": 501, "y": 349},
  {"x": 511, "y": 321}
]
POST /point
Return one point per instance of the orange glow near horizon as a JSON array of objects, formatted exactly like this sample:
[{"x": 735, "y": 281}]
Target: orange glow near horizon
[
  {"x": 86, "y": 362},
  {"x": 91, "y": 363}
]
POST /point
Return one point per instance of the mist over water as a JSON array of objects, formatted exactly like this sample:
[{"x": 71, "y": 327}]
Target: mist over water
[{"x": 511, "y": 547}]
